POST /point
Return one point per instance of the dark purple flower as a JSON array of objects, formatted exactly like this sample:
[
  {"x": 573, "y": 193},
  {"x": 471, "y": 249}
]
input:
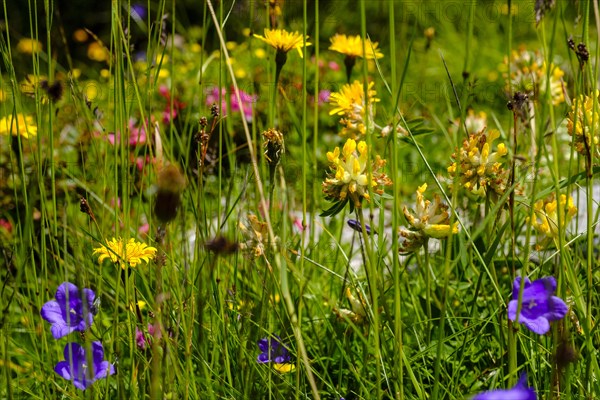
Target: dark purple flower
[
  {"x": 75, "y": 367},
  {"x": 273, "y": 350},
  {"x": 354, "y": 224},
  {"x": 71, "y": 311},
  {"x": 520, "y": 392},
  {"x": 539, "y": 305},
  {"x": 138, "y": 11}
]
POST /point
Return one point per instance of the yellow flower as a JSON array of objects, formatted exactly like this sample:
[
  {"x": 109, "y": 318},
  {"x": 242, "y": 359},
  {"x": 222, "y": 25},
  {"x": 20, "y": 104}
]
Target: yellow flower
[
  {"x": 23, "y": 125},
  {"x": 132, "y": 252},
  {"x": 545, "y": 221},
  {"x": 29, "y": 46},
  {"x": 427, "y": 220},
  {"x": 581, "y": 125},
  {"x": 350, "y": 102},
  {"x": 350, "y": 178},
  {"x": 358, "y": 312},
  {"x": 97, "y": 52},
  {"x": 352, "y": 46},
  {"x": 283, "y": 40},
  {"x": 257, "y": 234},
  {"x": 480, "y": 167}
]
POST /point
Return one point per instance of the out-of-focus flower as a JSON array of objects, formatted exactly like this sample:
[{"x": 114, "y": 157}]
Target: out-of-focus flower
[
  {"x": 527, "y": 72},
  {"x": 352, "y": 104},
  {"x": 358, "y": 312},
  {"x": 478, "y": 166},
  {"x": 138, "y": 11},
  {"x": 71, "y": 311},
  {"x": 75, "y": 368},
  {"x": 272, "y": 350},
  {"x": 22, "y": 125},
  {"x": 132, "y": 252},
  {"x": 352, "y": 46},
  {"x": 519, "y": 392},
  {"x": 284, "y": 41},
  {"x": 248, "y": 100},
  {"x": 6, "y": 225},
  {"x": 349, "y": 179},
  {"x": 585, "y": 124},
  {"x": 96, "y": 51},
  {"x": 427, "y": 220},
  {"x": 545, "y": 220},
  {"x": 539, "y": 306},
  {"x": 171, "y": 111},
  {"x": 475, "y": 122},
  {"x": 29, "y": 46},
  {"x": 137, "y": 134},
  {"x": 256, "y": 234}
]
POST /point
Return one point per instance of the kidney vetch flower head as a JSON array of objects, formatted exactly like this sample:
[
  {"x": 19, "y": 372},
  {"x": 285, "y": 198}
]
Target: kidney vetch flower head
[
  {"x": 519, "y": 392},
  {"x": 350, "y": 179},
  {"x": 427, "y": 220},
  {"x": 350, "y": 102},
  {"x": 539, "y": 306},
  {"x": 585, "y": 124},
  {"x": 481, "y": 168},
  {"x": 132, "y": 252},
  {"x": 21, "y": 125},
  {"x": 75, "y": 368},
  {"x": 70, "y": 311},
  {"x": 545, "y": 220}
]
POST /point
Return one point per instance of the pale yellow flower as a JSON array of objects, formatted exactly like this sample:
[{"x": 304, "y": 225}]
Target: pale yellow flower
[
  {"x": 283, "y": 40},
  {"x": 358, "y": 312},
  {"x": 22, "y": 125},
  {"x": 132, "y": 252},
  {"x": 351, "y": 103},
  {"x": 29, "y": 46},
  {"x": 352, "y": 46},
  {"x": 545, "y": 221},
  {"x": 587, "y": 124}
]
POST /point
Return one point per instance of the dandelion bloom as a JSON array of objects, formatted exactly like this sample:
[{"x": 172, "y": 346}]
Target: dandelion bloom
[
  {"x": 539, "y": 306},
  {"x": 352, "y": 46},
  {"x": 284, "y": 41},
  {"x": 75, "y": 368},
  {"x": 481, "y": 168},
  {"x": 427, "y": 220},
  {"x": 545, "y": 221},
  {"x": 580, "y": 126},
  {"x": 519, "y": 392},
  {"x": 71, "y": 311},
  {"x": 22, "y": 125},
  {"x": 350, "y": 102},
  {"x": 272, "y": 350},
  {"x": 132, "y": 252},
  {"x": 349, "y": 178}
]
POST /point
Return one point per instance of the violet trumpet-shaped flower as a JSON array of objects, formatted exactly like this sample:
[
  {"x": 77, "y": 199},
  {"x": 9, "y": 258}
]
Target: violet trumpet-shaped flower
[
  {"x": 75, "y": 368},
  {"x": 539, "y": 305},
  {"x": 519, "y": 392},
  {"x": 273, "y": 350},
  {"x": 71, "y": 311}
]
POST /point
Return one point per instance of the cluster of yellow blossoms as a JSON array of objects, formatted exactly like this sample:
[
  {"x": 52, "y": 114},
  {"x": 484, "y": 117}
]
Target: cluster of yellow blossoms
[
  {"x": 350, "y": 178},
  {"x": 546, "y": 219},
  {"x": 427, "y": 220},
  {"x": 585, "y": 123},
  {"x": 357, "y": 111},
  {"x": 478, "y": 166},
  {"x": 529, "y": 73},
  {"x": 22, "y": 125}
]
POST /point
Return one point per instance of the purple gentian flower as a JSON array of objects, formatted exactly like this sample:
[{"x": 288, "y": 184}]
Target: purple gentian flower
[
  {"x": 539, "y": 305},
  {"x": 273, "y": 350},
  {"x": 520, "y": 392},
  {"x": 75, "y": 367},
  {"x": 71, "y": 311}
]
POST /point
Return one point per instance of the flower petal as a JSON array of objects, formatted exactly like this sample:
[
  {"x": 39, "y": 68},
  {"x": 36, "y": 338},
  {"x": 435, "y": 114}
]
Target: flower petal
[
  {"x": 62, "y": 369},
  {"x": 557, "y": 309},
  {"x": 52, "y": 312},
  {"x": 60, "y": 329},
  {"x": 538, "y": 325}
]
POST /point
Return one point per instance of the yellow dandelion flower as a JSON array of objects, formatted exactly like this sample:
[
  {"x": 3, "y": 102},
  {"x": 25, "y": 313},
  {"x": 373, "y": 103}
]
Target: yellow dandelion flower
[
  {"x": 132, "y": 252},
  {"x": 22, "y": 125},
  {"x": 284, "y": 41},
  {"x": 352, "y": 46},
  {"x": 351, "y": 103},
  {"x": 29, "y": 46}
]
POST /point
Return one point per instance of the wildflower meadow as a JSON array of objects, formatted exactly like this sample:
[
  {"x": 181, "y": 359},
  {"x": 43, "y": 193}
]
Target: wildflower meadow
[{"x": 285, "y": 199}]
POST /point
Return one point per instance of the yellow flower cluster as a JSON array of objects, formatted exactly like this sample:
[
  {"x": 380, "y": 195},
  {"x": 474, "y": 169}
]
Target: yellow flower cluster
[
  {"x": 351, "y": 103},
  {"x": 22, "y": 125},
  {"x": 427, "y": 220},
  {"x": 546, "y": 219},
  {"x": 584, "y": 123},
  {"x": 480, "y": 167},
  {"x": 358, "y": 313},
  {"x": 349, "y": 178},
  {"x": 352, "y": 46},
  {"x": 528, "y": 73},
  {"x": 284, "y": 41},
  {"x": 132, "y": 252}
]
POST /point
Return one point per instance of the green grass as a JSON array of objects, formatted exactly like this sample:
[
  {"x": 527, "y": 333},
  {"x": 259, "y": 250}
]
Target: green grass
[{"x": 420, "y": 325}]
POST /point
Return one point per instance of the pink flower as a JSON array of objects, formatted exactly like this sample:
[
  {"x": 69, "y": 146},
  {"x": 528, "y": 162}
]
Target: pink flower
[
  {"x": 137, "y": 134},
  {"x": 212, "y": 97},
  {"x": 6, "y": 225},
  {"x": 170, "y": 113}
]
